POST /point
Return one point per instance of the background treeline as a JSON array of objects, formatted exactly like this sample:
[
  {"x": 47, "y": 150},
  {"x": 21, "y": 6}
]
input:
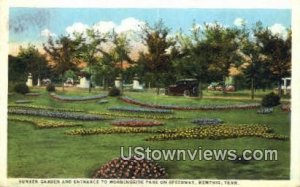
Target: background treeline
[{"x": 255, "y": 57}]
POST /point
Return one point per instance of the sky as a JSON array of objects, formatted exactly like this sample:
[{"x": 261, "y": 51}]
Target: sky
[{"x": 34, "y": 25}]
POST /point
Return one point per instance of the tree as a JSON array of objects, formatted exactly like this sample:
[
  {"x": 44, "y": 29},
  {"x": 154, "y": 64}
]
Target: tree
[
  {"x": 190, "y": 59},
  {"x": 277, "y": 50},
  {"x": 221, "y": 45},
  {"x": 120, "y": 52},
  {"x": 62, "y": 53},
  {"x": 32, "y": 61},
  {"x": 253, "y": 65},
  {"x": 90, "y": 49},
  {"x": 157, "y": 59}
]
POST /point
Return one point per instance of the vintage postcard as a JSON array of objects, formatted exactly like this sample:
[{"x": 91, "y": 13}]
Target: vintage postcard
[{"x": 197, "y": 93}]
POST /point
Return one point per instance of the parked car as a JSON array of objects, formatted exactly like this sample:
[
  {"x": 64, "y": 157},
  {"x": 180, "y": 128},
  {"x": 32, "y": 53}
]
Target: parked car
[
  {"x": 185, "y": 87},
  {"x": 218, "y": 86}
]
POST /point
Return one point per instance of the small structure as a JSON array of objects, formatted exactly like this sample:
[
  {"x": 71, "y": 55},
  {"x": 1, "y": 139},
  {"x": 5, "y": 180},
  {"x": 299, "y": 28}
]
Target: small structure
[
  {"x": 136, "y": 83},
  {"x": 39, "y": 82},
  {"x": 29, "y": 80},
  {"x": 286, "y": 85},
  {"x": 84, "y": 83},
  {"x": 118, "y": 82}
]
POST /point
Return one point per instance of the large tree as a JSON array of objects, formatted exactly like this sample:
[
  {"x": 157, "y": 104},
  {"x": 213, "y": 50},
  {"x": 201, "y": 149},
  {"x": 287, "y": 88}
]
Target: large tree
[
  {"x": 277, "y": 49},
  {"x": 120, "y": 52},
  {"x": 157, "y": 59},
  {"x": 62, "y": 54},
  {"x": 221, "y": 45},
  {"x": 90, "y": 48},
  {"x": 28, "y": 60},
  {"x": 253, "y": 66}
]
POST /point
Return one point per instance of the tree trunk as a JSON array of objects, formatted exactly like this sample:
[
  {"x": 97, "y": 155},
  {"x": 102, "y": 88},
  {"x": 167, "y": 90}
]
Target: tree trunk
[
  {"x": 90, "y": 84},
  {"x": 252, "y": 88},
  {"x": 62, "y": 79},
  {"x": 157, "y": 90},
  {"x": 200, "y": 90},
  {"x": 224, "y": 86},
  {"x": 279, "y": 88},
  {"x": 122, "y": 88}
]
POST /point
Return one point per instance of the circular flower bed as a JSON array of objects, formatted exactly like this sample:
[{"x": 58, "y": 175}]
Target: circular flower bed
[
  {"x": 131, "y": 169},
  {"x": 207, "y": 121},
  {"x": 76, "y": 98},
  {"x": 203, "y": 107},
  {"x": 136, "y": 123},
  {"x": 140, "y": 110},
  {"x": 55, "y": 114}
]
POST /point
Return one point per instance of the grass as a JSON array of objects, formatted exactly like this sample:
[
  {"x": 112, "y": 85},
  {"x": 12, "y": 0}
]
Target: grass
[{"x": 45, "y": 153}]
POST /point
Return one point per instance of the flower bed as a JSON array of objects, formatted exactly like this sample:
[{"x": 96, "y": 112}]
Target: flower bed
[
  {"x": 140, "y": 110},
  {"x": 23, "y": 101},
  {"x": 264, "y": 111},
  {"x": 33, "y": 94},
  {"x": 102, "y": 102},
  {"x": 146, "y": 116},
  {"x": 55, "y": 114},
  {"x": 207, "y": 121},
  {"x": 41, "y": 107},
  {"x": 136, "y": 123},
  {"x": 201, "y": 107},
  {"x": 211, "y": 132},
  {"x": 219, "y": 132},
  {"x": 76, "y": 98},
  {"x": 41, "y": 123},
  {"x": 131, "y": 169},
  {"x": 113, "y": 130}
]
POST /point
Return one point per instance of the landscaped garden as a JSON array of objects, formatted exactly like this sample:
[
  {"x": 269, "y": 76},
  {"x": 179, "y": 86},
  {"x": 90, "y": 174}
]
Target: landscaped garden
[
  {"x": 69, "y": 134},
  {"x": 79, "y": 95}
]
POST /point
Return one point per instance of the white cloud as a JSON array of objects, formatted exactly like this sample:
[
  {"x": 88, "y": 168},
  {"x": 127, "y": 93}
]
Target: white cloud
[
  {"x": 47, "y": 33},
  {"x": 130, "y": 24},
  {"x": 127, "y": 25},
  {"x": 104, "y": 26},
  {"x": 239, "y": 22},
  {"x": 280, "y": 30},
  {"x": 77, "y": 27}
]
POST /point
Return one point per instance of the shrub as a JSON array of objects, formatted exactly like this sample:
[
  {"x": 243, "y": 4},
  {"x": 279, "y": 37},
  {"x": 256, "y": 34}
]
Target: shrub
[
  {"x": 114, "y": 92},
  {"x": 50, "y": 87},
  {"x": 270, "y": 100},
  {"x": 21, "y": 88}
]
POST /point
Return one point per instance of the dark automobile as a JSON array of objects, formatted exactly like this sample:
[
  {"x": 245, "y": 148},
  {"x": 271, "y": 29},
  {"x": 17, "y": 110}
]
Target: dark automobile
[{"x": 186, "y": 87}]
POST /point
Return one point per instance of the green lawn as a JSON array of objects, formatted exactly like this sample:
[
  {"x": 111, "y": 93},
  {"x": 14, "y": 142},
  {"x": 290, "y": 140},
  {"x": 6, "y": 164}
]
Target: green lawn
[{"x": 45, "y": 153}]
